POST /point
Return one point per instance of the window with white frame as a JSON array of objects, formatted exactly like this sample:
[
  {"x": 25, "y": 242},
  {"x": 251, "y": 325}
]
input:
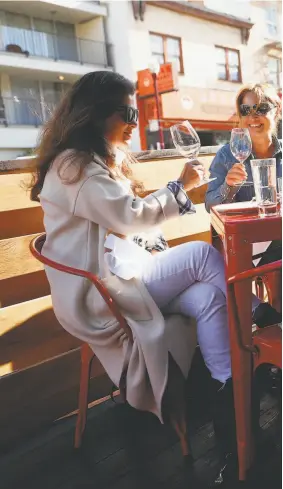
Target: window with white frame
[
  {"x": 271, "y": 19},
  {"x": 228, "y": 64},
  {"x": 274, "y": 71},
  {"x": 167, "y": 49},
  {"x": 32, "y": 101},
  {"x": 39, "y": 37}
]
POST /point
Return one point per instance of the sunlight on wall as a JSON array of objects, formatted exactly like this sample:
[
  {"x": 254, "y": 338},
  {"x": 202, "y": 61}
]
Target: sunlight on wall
[
  {"x": 5, "y": 369},
  {"x": 239, "y": 8}
]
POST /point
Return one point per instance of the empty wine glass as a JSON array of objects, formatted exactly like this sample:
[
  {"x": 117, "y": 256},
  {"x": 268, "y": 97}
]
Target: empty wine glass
[
  {"x": 241, "y": 147},
  {"x": 187, "y": 142}
]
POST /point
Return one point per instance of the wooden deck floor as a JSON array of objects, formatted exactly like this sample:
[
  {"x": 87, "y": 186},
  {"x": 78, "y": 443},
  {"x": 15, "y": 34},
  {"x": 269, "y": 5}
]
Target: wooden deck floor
[{"x": 126, "y": 449}]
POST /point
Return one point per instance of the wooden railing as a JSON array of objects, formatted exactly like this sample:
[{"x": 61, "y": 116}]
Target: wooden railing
[{"x": 39, "y": 361}]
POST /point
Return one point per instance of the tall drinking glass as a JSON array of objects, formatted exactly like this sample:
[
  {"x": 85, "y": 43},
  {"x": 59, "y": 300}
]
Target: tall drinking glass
[{"x": 264, "y": 176}]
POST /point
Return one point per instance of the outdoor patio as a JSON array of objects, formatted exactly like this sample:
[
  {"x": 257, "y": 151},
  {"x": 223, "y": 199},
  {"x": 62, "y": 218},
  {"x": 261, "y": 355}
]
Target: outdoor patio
[{"x": 126, "y": 449}]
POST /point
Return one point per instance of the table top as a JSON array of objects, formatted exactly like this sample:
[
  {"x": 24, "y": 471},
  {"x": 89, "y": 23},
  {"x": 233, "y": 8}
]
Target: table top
[{"x": 233, "y": 220}]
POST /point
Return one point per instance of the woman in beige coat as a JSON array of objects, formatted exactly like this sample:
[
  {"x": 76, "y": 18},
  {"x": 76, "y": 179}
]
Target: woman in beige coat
[{"x": 95, "y": 220}]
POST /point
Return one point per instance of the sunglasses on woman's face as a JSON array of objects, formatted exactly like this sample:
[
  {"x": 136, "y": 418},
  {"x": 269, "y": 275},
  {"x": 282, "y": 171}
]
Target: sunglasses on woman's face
[
  {"x": 128, "y": 113},
  {"x": 258, "y": 109}
]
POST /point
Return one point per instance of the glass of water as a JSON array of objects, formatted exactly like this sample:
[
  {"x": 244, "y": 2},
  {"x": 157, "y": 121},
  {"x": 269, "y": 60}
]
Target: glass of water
[{"x": 264, "y": 177}]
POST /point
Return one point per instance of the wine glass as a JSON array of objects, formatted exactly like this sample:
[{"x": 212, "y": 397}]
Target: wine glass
[
  {"x": 241, "y": 147},
  {"x": 187, "y": 142}
]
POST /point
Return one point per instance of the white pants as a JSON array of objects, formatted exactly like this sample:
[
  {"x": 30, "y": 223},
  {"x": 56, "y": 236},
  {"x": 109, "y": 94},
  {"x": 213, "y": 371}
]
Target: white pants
[{"x": 190, "y": 280}]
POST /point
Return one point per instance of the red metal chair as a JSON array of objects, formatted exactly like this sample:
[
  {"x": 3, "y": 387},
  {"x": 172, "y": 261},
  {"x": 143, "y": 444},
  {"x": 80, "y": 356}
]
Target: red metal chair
[
  {"x": 273, "y": 285},
  {"x": 177, "y": 417},
  {"x": 265, "y": 348}
]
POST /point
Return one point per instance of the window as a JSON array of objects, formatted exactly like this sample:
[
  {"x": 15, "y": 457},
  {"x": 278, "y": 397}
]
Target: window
[
  {"x": 167, "y": 49},
  {"x": 32, "y": 100},
  {"x": 271, "y": 20},
  {"x": 228, "y": 64},
  {"x": 274, "y": 71},
  {"x": 17, "y": 20},
  {"x": 2, "y": 111},
  {"x": 42, "y": 37}
]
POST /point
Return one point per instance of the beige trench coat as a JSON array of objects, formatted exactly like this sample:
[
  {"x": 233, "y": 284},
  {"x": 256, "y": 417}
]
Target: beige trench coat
[{"x": 77, "y": 218}]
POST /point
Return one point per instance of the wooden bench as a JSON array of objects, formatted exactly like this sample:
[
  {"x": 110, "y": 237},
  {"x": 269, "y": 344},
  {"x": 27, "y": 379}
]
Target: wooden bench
[{"x": 39, "y": 367}]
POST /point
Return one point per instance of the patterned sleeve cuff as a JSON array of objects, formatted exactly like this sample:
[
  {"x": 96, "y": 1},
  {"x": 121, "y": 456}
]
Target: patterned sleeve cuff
[
  {"x": 185, "y": 204},
  {"x": 227, "y": 193}
]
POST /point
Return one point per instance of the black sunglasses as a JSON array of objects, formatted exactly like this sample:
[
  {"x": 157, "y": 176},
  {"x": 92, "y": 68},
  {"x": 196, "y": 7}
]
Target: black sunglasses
[
  {"x": 128, "y": 113},
  {"x": 258, "y": 109}
]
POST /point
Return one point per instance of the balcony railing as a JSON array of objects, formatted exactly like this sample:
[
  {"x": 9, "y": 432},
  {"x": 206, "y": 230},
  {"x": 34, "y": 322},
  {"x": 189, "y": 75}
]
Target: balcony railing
[
  {"x": 53, "y": 46},
  {"x": 25, "y": 112}
]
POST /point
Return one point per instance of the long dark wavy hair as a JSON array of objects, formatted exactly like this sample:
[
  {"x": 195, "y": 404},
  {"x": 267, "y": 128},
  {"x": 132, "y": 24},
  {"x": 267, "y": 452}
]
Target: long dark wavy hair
[{"x": 78, "y": 124}]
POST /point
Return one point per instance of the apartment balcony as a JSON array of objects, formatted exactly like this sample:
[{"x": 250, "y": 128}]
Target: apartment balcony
[
  {"x": 274, "y": 48},
  {"x": 40, "y": 51},
  {"x": 73, "y": 11}
]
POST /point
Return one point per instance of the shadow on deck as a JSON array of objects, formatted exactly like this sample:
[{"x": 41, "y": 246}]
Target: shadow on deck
[{"x": 126, "y": 449}]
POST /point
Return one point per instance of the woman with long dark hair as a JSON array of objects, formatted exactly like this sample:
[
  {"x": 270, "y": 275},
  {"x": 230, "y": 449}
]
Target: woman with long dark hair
[{"x": 96, "y": 219}]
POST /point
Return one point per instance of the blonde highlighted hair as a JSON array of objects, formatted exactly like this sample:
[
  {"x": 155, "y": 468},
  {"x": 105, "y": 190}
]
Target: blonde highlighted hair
[{"x": 264, "y": 93}]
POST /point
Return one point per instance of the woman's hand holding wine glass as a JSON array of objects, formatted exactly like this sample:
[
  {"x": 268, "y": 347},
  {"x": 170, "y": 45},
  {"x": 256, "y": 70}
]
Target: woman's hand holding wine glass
[
  {"x": 187, "y": 142},
  {"x": 192, "y": 175},
  {"x": 236, "y": 175}
]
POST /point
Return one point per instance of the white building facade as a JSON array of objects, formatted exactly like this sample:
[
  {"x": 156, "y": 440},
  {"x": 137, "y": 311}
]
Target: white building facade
[{"x": 216, "y": 46}]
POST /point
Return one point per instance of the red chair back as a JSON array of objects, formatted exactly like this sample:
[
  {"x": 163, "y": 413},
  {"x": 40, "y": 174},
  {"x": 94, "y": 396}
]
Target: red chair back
[
  {"x": 36, "y": 246},
  {"x": 239, "y": 277}
]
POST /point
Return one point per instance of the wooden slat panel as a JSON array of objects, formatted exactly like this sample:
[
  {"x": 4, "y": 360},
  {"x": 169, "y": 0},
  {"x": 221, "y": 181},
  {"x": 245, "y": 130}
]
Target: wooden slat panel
[
  {"x": 30, "y": 333},
  {"x": 157, "y": 174},
  {"x": 16, "y": 258},
  {"x": 23, "y": 288},
  {"x": 22, "y": 276},
  {"x": 20, "y": 222},
  {"x": 187, "y": 228},
  {"x": 18, "y": 214},
  {"x": 197, "y": 195},
  {"x": 35, "y": 397},
  {"x": 13, "y": 192},
  {"x": 204, "y": 236}
]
